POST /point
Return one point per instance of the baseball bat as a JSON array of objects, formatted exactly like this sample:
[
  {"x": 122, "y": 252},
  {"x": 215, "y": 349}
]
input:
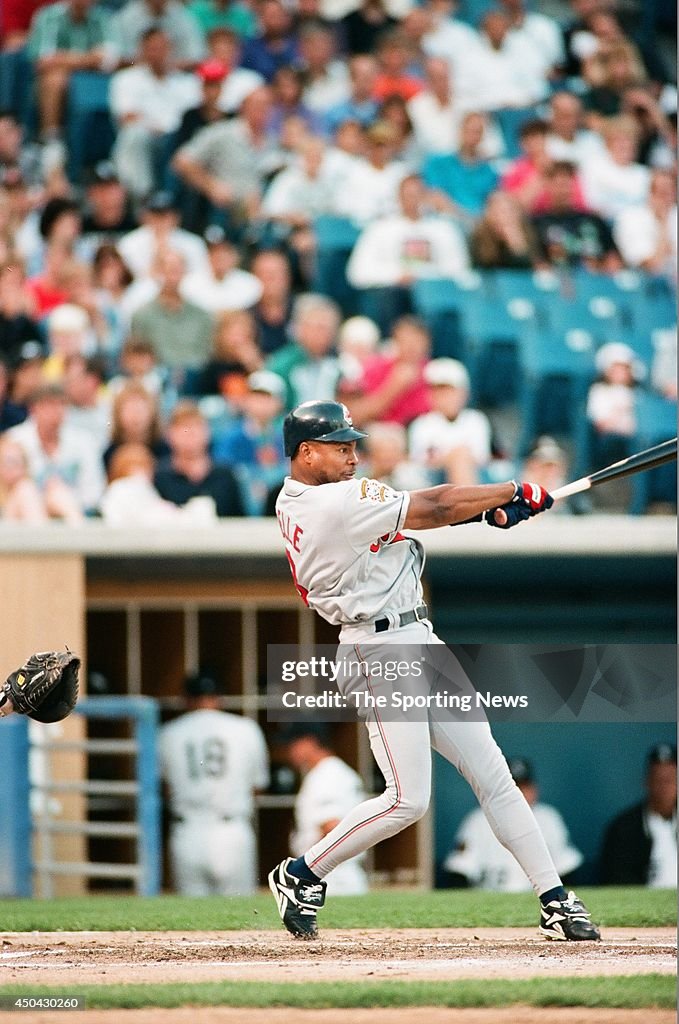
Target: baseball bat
[{"x": 648, "y": 459}]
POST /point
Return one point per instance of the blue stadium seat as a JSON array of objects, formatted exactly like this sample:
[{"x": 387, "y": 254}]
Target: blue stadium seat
[
  {"x": 438, "y": 302},
  {"x": 491, "y": 329},
  {"x": 600, "y": 316},
  {"x": 538, "y": 288},
  {"x": 656, "y": 422},
  {"x": 90, "y": 132},
  {"x": 556, "y": 369},
  {"x": 335, "y": 237},
  {"x": 16, "y": 87},
  {"x": 510, "y": 121}
]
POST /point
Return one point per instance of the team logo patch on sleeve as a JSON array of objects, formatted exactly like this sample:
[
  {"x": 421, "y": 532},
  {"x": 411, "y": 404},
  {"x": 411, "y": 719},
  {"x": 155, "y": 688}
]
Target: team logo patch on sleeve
[{"x": 373, "y": 490}]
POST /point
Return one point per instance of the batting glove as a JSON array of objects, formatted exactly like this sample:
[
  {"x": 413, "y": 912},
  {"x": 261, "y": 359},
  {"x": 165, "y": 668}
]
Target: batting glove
[{"x": 528, "y": 501}]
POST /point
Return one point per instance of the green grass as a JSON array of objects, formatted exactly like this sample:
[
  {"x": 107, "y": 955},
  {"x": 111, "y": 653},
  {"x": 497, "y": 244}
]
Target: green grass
[
  {"x": 611, "y": 907},
  {"x": 651, "y": 990}
]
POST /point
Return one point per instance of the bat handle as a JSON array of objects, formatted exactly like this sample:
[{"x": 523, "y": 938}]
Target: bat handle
[{"x": 583, "y": 484}]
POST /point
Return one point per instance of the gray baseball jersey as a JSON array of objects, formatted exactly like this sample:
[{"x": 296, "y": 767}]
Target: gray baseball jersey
[{"x": 348, "y": 558}]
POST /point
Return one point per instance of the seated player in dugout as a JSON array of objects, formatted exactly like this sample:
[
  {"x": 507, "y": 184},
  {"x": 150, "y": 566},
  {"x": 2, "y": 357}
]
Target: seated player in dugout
[{"x": 352, "y": 564}]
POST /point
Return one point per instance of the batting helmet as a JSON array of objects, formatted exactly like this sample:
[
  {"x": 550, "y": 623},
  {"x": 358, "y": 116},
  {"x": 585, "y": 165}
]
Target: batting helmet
[{"x": 318, "y": 421}]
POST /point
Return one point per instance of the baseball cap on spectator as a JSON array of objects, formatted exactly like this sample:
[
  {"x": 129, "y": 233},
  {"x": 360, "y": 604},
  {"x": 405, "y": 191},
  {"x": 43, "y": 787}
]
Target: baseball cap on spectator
[
  {"x": 446, "y": 373},
  {"x": 381, "y": 133},
  {"x": 29, "y": 351},
  {"x": 212, "y": 71},
  {"x": 662, "y": 753},
  {"x": 160, "y": 202},
  {"x": 361, "y": 331},
  {"x": 103, "y": 173},
  {"x": 521, "y": 770},
  {"x": 548, "y": 451},
  {"x": 215, "y": 234},
  {"x": 617, "y": 352},
  {"x": 267, "y": 382},
  {"x": 68, "y": 317},
  {"x": 202, "y": 684}
]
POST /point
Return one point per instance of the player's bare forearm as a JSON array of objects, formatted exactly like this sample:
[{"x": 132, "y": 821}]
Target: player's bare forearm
[{"x": 449, "y": 504}]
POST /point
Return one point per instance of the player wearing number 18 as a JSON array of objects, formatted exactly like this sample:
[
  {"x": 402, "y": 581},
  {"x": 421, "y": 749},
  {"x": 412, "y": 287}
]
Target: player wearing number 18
[
  {"x": 352, "y": 564},
  {"x": 212, "y": 763}
]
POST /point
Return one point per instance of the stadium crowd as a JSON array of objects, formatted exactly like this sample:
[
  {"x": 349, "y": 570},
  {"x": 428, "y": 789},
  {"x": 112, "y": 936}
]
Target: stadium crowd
[{"x": 279, "y": 182}]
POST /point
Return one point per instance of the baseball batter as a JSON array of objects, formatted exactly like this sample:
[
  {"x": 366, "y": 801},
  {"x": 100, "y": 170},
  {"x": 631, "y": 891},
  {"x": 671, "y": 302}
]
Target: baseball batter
[{"x": 351, "y": 563}]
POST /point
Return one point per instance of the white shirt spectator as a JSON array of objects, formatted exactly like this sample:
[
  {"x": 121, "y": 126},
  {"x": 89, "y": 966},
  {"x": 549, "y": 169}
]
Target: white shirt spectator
[
  {"x": 578, "y": 150},
  {"x": 437, "y": 127},
  {"x": 638, "y": 234},
  {"x": 539, "y": 39},
  {"x": 489, "y": 79},
  {"x": 369, "y": 192},
  {"x": 294, "y": 191},
  {"x": 138, "y": 249},
  {"x": 610, "y": 188},
  {"x": 238, "y": 84},
  {"x": 322, "y": 94},
  {"x": 76, "y": 461},
  {"x": 130, "y": 23},
  {"x": 237, "y": 290},
  {"x": 329, "y": 791},
  {"x": 159, "y": 102},
  {"x": 486, "y": 863},
  {"x": 662, "y": 869},
  {"x": 612, "y": 404},
  {"x": 449, "y": 39},
  {"x": 433, "y": 436},
  {"x": 395, "y": 247}
]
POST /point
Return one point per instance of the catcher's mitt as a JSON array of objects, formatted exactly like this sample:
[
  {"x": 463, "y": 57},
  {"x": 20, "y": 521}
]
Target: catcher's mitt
[{"x": 45, "y": 687}]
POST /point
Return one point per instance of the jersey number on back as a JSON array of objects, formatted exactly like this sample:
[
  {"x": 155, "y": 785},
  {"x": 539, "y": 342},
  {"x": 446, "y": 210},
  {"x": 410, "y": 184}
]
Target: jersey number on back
[{"x": 206, "y": 759}]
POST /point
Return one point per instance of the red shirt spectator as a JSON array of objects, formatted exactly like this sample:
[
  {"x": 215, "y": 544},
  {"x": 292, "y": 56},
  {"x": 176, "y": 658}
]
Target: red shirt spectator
[
  {"x": 15, "y": 19},
  {"x": 393, "y": 388}
]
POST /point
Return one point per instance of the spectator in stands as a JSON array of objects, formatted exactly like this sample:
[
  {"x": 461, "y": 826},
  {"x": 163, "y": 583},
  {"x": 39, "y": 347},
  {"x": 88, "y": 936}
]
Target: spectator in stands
[
  {"x": 611, "y": 74},
  {"x": 567, "y": 138},
  {"x": 60, "y": 227},
  {"x": 189, "y": 471},
  {"x": 287, "y": 87},
  {"x": 503, "y": 237},
  {"x": 20, "y": 497},
  {"x": 231, "y": 14},
  {"x": 567, "y": 234},
  {"x": 224, "y": 162},
  {"x": 393, "y": 111},
  {"x": 640, "y": 844},
  {"x": 179, "y": 331},
  {"x": 526, "y": 177},
  {"x": 646, "y": 235},
  {"x": 436, "y": 114},
  {"x": 88, "y": 404},
  {"x": 478, "y": 858},
  {"x": 10, "y": 412},
  {"x": 393, "y": 388},
  {"x": 360, "y": 104},
  {"x": 64, "y": 38},
  {"x": 135, "y": 419},
  {"x": 611, "y": 402},
  {"x": 307, "y": 363},
  {"x": 448, "y": 36},
  {"x": 451, "y": 440},
  {"x": 107, "y": 214},
  {"x": 137, "y": 16},
  {"x": 15, "y": 21},
  {"x": 17, "y": 326},
  {"x": 657, "y": 129},
  {"x": 535, "y": 37},
  {"x": 223, "y": 285},
  {"x": 212, "y": 74},
  {"x": 325, "y": 76},
  {"x": 234, "y": 356},
  {"x": 357, "y": 342},
  {"x": 274, "y": 309},
  {"x": 386, "y": 458},
  {"x": 394, "y": 77},
  {"x": 613, "y": 180},
  {"x": 363, "y": 26},
  {"x": 494, "y": 74},
  {"x": 61, "y": 459},
  {"x": 26, "y": 377},
  {"x": 147, "y": 102},
  {"x": 69, "y": 333},
  {"x": 254, "y": 444},
  {"x": 17, "y": 154},
  {"x": 395, "y": 251},
  {"x": 225, "y": 46},
  {"x": 461, "y": 182},
  {"x": 547, "y": 465},
  {"x": 297, "y": 195},
  {"x": 370, "y": 187},
  {"x": 138, "y": 363},
  {"x": 130, "y": 499},
  {"x": 111, "y": 279},
  {"x": 159, "y": 231},
  {"x": 275, "y": 45}
]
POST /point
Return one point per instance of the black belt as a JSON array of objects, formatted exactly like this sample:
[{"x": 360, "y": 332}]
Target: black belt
[{"x": 404, "y": 619}]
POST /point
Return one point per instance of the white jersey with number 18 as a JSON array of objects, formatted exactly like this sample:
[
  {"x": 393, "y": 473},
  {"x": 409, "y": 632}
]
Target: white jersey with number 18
[{"x": 349, "y": 560}]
